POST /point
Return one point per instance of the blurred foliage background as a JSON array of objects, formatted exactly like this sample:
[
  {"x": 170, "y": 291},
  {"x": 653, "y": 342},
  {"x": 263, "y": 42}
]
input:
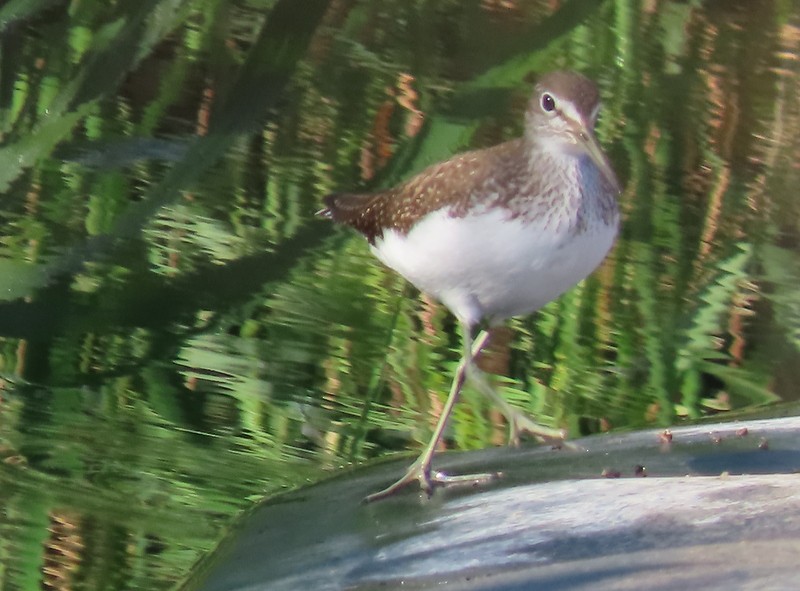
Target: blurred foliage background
[{"x": 179, "y": 336}]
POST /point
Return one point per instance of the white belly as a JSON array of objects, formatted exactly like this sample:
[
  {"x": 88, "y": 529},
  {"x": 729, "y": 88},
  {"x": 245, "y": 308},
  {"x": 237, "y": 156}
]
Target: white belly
[{"x": 487, "y": 266}]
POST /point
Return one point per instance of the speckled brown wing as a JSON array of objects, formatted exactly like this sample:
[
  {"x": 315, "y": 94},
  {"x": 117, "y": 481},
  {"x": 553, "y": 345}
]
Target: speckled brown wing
[{"x": 452, "y": 183}]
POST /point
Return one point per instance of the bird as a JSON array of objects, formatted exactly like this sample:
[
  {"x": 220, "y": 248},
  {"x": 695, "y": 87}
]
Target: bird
[{"x": 495, "y": 233}]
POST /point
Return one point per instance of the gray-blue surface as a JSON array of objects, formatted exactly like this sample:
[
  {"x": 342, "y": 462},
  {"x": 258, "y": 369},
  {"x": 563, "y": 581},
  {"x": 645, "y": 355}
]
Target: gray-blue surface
[{"x": 719, "y": 508}]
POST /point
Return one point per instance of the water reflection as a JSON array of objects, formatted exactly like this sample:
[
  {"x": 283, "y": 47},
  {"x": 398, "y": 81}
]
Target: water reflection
[{"x": 180, "y": 336}]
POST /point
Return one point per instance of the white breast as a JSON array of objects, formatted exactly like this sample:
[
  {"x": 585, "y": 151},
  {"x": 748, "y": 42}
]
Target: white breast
[{"x": 489, "y": 266}]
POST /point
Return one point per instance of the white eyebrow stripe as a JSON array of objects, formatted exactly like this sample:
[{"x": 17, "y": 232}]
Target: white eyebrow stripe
[{"x": 570, "y": 112}]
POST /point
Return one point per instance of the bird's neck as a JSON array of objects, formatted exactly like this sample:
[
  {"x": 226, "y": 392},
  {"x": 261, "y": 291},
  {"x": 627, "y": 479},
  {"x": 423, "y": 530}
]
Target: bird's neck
[{"x": 568, "y": 181}]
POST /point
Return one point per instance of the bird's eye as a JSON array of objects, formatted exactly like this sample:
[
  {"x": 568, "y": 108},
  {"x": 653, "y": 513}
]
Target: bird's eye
[{"x": 548, "y": 102}]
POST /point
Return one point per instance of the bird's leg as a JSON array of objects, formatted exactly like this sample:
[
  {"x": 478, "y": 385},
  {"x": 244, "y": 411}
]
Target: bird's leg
[
  {"x": 420, "y": 470},
  {"x": 518, "y": 421}
]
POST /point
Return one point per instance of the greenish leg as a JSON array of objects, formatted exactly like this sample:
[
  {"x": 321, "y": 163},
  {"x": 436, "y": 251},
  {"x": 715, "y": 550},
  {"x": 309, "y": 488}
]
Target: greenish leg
[
  {"x": 420, "y": 470},
  {"x": 518, "y": 421}
]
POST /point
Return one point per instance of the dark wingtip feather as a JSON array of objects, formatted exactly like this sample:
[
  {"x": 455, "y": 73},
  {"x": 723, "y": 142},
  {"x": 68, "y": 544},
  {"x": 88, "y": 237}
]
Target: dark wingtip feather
[
  {"x": 331, "y": 206},
  {"x": 350, "y": 209}
]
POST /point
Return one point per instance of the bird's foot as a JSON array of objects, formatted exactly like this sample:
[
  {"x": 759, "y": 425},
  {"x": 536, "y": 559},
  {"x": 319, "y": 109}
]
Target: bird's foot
[
  {"x": 428, "y": 481},
  {"x": 519, "y": 423}
]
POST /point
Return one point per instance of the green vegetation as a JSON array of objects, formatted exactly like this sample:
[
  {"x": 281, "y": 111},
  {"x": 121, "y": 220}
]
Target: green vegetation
[{"x": 179, "y": 336}]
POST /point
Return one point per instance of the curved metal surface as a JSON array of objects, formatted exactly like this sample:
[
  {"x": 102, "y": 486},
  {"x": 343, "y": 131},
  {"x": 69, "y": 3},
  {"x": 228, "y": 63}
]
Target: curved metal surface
[{"x": 719, "y": 508}]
